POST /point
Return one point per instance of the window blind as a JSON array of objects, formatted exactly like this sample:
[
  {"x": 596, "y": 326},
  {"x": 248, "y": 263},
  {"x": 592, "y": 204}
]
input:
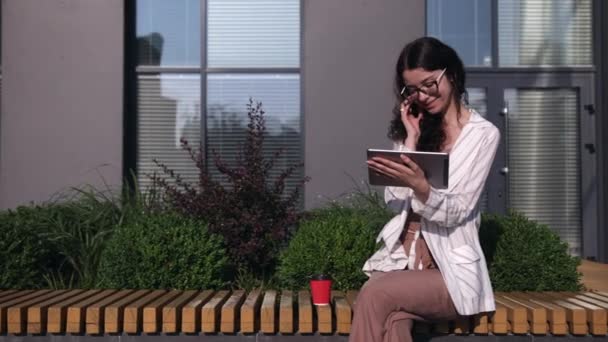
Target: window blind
[
  {"x": 545, "y": 33},
  {"x": 168, "y": 110},
  {"x": 259, "y": 33},
  {"x": 544, "y": 159}
]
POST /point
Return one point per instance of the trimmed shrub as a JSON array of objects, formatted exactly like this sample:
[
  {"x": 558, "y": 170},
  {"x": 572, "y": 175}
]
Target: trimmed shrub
[
  {"x": 335, "y": 241},
  {"x": 24, "y": 257},
  {"x": 524, "y": 255},
  {"x": 163, "y": 251}
]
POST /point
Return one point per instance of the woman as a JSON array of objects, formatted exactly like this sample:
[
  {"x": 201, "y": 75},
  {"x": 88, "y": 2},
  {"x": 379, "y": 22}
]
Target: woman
[{"x": 431, "y": 266}]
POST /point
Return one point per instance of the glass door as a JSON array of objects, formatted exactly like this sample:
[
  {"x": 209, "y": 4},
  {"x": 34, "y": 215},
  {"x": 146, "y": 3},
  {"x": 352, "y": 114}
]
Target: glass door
[{"x": 545, "y": 165}]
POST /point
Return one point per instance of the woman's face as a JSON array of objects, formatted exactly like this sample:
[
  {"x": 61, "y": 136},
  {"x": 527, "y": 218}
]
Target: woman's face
[{"x": 431, "y": 90}]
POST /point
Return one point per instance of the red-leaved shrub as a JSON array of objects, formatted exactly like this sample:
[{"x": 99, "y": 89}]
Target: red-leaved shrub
[{"x": 252, "y": 211}]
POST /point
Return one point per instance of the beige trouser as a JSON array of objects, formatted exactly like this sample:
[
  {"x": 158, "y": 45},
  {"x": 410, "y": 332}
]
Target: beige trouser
[{"x": 389, "y": 302}]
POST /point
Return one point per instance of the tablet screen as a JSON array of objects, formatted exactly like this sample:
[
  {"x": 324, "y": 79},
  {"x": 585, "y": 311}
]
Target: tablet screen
[{"x": 434, "y": 164}]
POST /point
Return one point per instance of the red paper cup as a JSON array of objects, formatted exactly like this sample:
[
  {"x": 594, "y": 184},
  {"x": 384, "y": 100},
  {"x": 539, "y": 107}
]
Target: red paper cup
[{"x": 320, "y": 287}]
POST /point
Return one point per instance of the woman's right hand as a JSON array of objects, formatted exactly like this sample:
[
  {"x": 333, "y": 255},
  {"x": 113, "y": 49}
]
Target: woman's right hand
[{"x": 411, "y": 123}]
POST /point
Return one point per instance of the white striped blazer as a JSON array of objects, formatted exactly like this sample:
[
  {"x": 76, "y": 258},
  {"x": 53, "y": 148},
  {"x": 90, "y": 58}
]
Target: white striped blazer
[{"x": 450, "y": 220}]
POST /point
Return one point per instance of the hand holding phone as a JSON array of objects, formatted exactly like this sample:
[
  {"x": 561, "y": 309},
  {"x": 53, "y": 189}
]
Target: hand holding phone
[
  {"x": 414, "y": 110},
  {"x": 410, "y": 116}
]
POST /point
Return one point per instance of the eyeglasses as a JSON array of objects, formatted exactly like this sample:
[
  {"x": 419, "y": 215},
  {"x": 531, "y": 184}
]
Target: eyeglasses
[{"x": 429, "y": 88}]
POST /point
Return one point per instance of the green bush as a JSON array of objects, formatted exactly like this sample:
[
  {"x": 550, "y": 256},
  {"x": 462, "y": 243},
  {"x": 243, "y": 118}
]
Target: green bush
[
  {"x": 77, "y": 231},
  {"x": 24, "y": 257},
  {"x": 163, "y": 251},
  {"x": 56, "y": 244},
  {"x": 337, "y": 241},
  {"x": 524, "y": 255}
]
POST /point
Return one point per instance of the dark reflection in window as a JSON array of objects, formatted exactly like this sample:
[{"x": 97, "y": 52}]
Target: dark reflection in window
[{"x": 171, "y": 27}]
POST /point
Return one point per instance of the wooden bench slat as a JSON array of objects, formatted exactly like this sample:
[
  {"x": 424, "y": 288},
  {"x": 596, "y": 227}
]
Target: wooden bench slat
[
  {"x": 211, "y": 312},
  {"x": 480, "y": 323},
  {"x": 351, "y": 297},
  {"x": 517, "y": 314},
  {"x": 596, "y": 296},
  {"x": 268, "y": 313},
  {"x": 152, "y": 315},
  {"x": 604, "y": 305},
  {"x": 93, "y": 310},
  {"x": 6, "y": 292},
  {"x": 11, "y": 294},
  {"x": 57, "y": 313},
  {"x": 556, "y": 315},
  {"x": 596, "y": 315},
  {"x": 145, "y": 311},
  {"x": 133, "y": 315},
  {"x": 286, "y": 311},
  {"x": 462, "y": 326},
  {"x": 602, "y": 293},
  {"x": 249, "y": 311},
  {"x": 575, "y": 315},
  {"x": 172, "y": 312},
  {"x": 17, "y": 314},
  {"x": 14, "y": 301},
  {"x": 305, "y": 321},
  {"x": 585, "y": 297},
  {"x": 324, "y": 318},
  {"x": 191, "y": 312},
  {"x": 230, "y": 312},
  {"x": 37, "y": 314},
  {"x": 581, "y": 325},
  {"x": 343, "y": 312},
  {"x": 499, "y": 320},
  {"x": 76, "y": 317},
  {"x": 114, "y": 313},
  {"x": 536, "y": 314}
]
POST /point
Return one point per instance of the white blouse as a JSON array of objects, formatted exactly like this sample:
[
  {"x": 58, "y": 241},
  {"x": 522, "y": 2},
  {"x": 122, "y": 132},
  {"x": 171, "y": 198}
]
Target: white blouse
[{"x": 450, "y": 220}]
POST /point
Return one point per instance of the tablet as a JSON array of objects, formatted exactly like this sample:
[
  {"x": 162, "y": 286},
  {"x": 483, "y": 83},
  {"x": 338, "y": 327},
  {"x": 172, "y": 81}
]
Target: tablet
[{"x": 436, "y": 166}]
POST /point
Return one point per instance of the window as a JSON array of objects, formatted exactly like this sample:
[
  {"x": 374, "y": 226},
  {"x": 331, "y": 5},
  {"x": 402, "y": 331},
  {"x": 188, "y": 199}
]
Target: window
[
  {"x": 200, "y": 62},
  {"x": 543, "y": 156},
  {"x": 169, "y": 32},
  {"x": 540, "y": 168},
  {"x": 541, "y": 33},
  {"x": 465, "y": 25},
  {"x": 544, "y": 33}
]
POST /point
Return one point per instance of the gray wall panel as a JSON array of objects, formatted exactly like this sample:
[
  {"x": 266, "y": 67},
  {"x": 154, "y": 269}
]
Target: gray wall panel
[
  {"x": 350, "y": 49},
  {"x": 61, "y": 114}
]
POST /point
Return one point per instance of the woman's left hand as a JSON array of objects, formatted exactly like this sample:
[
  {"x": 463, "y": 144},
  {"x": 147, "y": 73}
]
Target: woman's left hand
[{"x": 408, "y": 173}]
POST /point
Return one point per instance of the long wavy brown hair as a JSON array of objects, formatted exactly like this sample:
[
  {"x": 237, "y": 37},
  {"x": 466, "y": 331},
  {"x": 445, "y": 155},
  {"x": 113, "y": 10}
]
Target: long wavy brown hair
[{"x": 429, "y": 54}]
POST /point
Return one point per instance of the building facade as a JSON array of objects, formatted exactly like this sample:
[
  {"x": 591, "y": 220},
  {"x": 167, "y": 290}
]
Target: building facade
[{"x": 93, "y": 90}]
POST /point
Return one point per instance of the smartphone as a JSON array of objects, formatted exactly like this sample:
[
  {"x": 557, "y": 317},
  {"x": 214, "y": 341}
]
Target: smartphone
[{"x": 414, "y": 110}]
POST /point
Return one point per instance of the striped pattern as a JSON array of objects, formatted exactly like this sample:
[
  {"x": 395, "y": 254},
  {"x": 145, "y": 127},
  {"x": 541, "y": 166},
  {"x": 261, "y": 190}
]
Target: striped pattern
[
  {"x": 454, "y": 208},
  {"x": 544, "y": 159},
  {"x": 276, "y": 312},
  {"x": 545, "y": 33},
  {"x": 168, "y": 109},
  {"x": 253, "y": 34}
]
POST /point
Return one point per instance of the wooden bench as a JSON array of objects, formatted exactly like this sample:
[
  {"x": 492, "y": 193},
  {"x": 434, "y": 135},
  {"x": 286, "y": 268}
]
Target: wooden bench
[{"x": 272, "y": 312}]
